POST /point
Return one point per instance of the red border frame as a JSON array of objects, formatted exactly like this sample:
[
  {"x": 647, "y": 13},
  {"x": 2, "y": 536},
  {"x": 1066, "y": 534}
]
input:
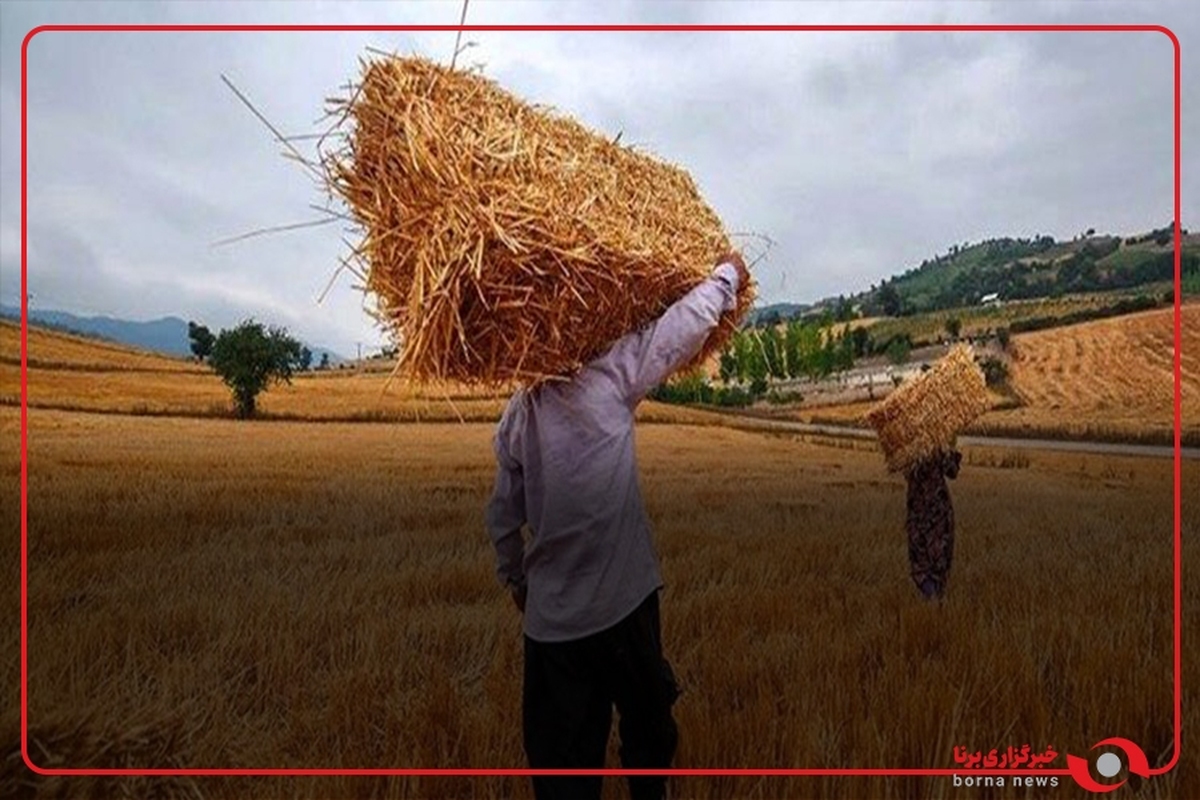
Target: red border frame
[{"x": 583, "y": 28}]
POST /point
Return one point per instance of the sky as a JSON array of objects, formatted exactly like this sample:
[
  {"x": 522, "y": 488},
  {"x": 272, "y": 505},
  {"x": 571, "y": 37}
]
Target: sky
[{"x": 856, "y": 154}]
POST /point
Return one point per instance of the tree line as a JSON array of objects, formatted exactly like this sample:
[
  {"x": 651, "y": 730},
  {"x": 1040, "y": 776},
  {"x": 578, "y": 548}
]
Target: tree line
[{"x": 797, "y": 349}]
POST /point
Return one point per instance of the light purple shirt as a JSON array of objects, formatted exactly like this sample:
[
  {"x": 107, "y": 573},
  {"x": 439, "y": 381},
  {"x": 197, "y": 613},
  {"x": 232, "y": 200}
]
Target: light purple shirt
[{"x": 567, "y": 469}]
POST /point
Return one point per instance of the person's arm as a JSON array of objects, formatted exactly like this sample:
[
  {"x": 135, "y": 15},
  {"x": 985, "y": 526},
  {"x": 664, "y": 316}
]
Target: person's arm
[
  {"x": 642, "y": 360},
  {"x": 505, "y": 516}
]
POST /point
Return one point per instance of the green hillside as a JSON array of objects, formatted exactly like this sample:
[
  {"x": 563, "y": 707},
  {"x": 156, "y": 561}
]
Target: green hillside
[{"x": 1028, "y": 269}]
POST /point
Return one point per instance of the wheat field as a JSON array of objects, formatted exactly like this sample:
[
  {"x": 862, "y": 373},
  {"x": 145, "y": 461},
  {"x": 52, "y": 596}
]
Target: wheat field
[
  {"x": 1108, "y": 380},
  {"x": 56, "y": 349},
  {"x": 1115, "y": 374},
  {"x": 69, "y": 373},
  {"x": 205, "y": 592},
  {"x": 215, "y": 593}
]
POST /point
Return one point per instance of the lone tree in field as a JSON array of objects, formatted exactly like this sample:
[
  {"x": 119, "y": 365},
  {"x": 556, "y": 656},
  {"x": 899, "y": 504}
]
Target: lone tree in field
[
  {"x": 202, "y": 340},
  {"x": 249, "y": 358}
]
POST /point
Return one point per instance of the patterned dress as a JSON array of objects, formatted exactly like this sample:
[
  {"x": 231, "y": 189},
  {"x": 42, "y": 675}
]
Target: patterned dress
[{"x": 930, "y": 521}]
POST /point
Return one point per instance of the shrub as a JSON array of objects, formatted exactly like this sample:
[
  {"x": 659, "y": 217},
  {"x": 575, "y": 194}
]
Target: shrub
[{"x": 995, "y": 371}]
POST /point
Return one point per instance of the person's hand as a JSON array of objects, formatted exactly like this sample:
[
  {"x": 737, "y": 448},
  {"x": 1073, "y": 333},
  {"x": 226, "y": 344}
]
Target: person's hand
[
  {"x": 518, "y": 596},
  {"x": 953, "y": 463},
  {"x": 735, "y": 258}
]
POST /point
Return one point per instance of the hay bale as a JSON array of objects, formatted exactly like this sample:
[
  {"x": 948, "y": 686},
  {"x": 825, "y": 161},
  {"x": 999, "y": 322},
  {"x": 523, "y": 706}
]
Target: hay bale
[
  {"x": 925, "y": 414},
  {"x": 504, "y": 242}
]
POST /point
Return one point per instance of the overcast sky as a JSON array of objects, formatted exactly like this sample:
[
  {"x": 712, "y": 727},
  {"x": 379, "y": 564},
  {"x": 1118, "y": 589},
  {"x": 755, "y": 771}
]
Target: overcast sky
[{"x": 859, "y": 154}]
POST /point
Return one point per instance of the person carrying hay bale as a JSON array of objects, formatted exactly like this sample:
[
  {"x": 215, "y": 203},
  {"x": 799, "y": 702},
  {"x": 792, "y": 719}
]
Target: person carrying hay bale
[
  {"x": 506, "y": 244},
  {"x": 930, "y": 521},
  {"x": 917, "y": 426},
  {"x": 587, "y": 582}
]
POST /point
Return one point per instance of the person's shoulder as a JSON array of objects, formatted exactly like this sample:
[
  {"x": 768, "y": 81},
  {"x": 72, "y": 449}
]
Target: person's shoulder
[{"x": 513, "y": 406}]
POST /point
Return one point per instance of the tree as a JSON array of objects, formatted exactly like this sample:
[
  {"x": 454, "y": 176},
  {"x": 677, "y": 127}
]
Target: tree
[
  {"x": 845, "y": 350},
  {"x": 773, "y": 351},
  {"x": 792, "y": 355},
  {"x": 1003, "y": 337},
  {"x": 324, "y": 361},
  {"x": 827, "y": 356},
  {"x": 728, "y": 364},
  {"x": 810, "y": 350},
  {"x": 249, "y": 358},
  {"x": 305, "y": 360},
  {"x": 898, "y": 349},
  {"x": 844, "y": 309},
  {"x": 862, "y": 342},
  {"x": 889, "y": 301},
  {"x": 953, "y": 327},
  {"x": 202, "y": 340},
  {"x": 757, "y": 368}
]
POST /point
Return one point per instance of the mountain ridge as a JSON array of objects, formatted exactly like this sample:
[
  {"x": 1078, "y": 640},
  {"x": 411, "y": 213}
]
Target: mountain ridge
[{"x": 167, "y": 335}]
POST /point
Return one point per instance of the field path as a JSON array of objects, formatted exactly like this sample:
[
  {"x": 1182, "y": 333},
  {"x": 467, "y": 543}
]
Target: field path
[{"x": 749, "y": 423}]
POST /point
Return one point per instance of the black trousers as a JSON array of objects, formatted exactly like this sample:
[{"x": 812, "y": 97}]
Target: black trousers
[{"x": 569, "y": 693}]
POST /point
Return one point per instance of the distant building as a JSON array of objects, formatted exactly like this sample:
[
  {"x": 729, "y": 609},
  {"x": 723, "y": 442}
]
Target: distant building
[{"x": 992, "y": 299}]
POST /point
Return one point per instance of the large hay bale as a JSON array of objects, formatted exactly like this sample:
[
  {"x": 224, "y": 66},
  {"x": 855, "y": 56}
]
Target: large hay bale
[
  {"x": 925, "y": 414},
  {"x": 502, "y": 241}
]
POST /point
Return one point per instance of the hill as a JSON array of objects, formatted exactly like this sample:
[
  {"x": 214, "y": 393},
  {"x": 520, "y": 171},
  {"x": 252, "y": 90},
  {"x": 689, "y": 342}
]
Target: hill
[
  {"x": 1040, "y": 267},
  {"x": 773, "y": 313},
  {"x": 56, "y": 349},
  {"x": 167, "y": 335}
]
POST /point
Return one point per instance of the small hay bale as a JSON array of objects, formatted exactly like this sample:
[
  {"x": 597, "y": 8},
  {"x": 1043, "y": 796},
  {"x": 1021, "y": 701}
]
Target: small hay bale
[
  {"x": 925, "y": 414},
  {"x": 501, "y": 241}
]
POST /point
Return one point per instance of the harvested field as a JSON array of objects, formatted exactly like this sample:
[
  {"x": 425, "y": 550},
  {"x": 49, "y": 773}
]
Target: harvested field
[
  {"x": 51, "y": 349},
  {"x": 91, "y": 376},
  {"x": 1109, "y": 379},
  {"x": 209, "y": 592},
  {"x": 1115, "y": 373},
  {"x": 345, "y": 396}
]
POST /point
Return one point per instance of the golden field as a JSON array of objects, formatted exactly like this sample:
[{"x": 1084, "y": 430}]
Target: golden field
[
  {"x": 77, "y": 378},
  {"x": 1114, "y": 374},
  {"x": 54, "y": 349},
  {"x": 205, "y": 592},
  {"x": 208, "y": 592},
  {"x": 1110, "y": 379}
]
